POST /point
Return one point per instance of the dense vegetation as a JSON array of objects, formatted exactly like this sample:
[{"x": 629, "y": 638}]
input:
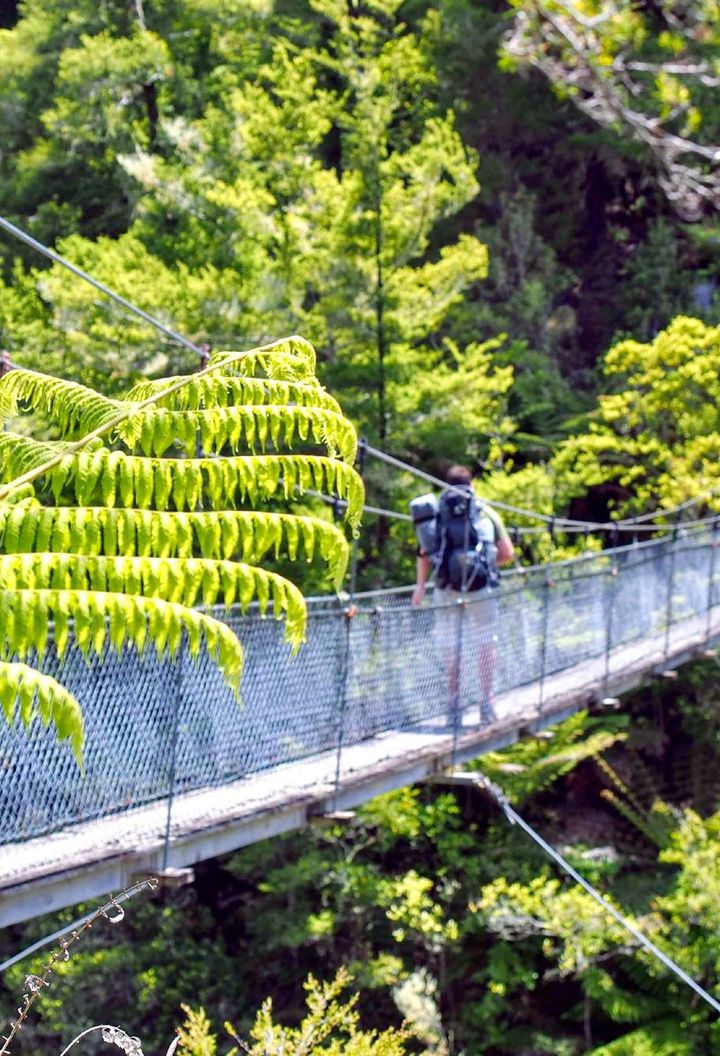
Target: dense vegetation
[
  {"x": 397, "y": 183},
  {"x": 497, "y": 225},
  {"x": 445, "y": 914}
]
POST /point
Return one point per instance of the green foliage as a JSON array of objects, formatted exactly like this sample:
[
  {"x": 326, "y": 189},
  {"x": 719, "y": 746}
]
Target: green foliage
[
  {"x": 533, "y": 764},
  {"x": 32, "y": 693},
  {"x": 448, "y": 917},
  {"x": 118, "y": 547},
  {"x": 183, "y": 582},
  {"x": 251, "y": 169},
  {"x": 648, "y": 76},
  {"x": 195, "y": 1035},
  {"x": 574, "y": 930},
  {"x": 453, "y": 403},
  {"x": 655, "y": 824},
  {"x": 414, "y": 912},
  {"x": 249, "y": 534},
  {"x": 655, "y": 288},
  {"x": 330, "y": 1027},
  {"x": 667, "y": 1038},
  {"x": 654, "y": 438},
  {"x": 310, "y": 193}
]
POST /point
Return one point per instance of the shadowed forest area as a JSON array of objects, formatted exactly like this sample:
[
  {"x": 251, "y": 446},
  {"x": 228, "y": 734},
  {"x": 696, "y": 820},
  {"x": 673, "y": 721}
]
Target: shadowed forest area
[{"x": 497, "y": 224}]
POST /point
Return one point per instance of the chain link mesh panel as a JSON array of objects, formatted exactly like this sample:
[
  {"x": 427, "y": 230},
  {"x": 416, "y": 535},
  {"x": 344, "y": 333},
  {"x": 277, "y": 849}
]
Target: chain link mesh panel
[{"x": 157, "y": 728}]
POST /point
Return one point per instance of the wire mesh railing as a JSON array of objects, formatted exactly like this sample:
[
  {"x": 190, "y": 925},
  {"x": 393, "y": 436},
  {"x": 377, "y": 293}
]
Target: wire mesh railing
[{"x": 158, "y": 730}]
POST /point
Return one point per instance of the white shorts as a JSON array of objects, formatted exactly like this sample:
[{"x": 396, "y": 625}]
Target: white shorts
[{"x": 478, "y": 613}]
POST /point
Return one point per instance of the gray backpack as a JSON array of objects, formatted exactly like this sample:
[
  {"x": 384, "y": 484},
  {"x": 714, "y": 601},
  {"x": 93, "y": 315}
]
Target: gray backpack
[{"x": 459, "y": 540}]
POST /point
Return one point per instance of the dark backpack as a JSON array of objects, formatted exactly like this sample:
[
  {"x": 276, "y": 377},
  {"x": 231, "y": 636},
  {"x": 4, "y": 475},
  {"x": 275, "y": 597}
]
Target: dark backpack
[{"x": 463, "y": 560}]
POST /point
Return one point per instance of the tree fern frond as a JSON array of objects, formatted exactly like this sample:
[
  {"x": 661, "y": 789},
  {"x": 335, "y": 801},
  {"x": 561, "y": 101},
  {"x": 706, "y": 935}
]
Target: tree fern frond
[
  {"x": 184, "y": 581},
  {"x": 126, "y": 563},
  {"x": 8, "y": 404},
  {"x": 71, "y": 406},
  {"x": 112, "y": 478},
  {"x": 25, "y": 616},
  {"x": 245, "y": 535},
  {"x": 24, "y": 495},
  {"x": 19, "y": 453},
  {"x": 219, "y": 390},
  {"x": 292, "y": 359},
  {"x": 26, "y": 690},
  {"x": 156, "y": 429}
]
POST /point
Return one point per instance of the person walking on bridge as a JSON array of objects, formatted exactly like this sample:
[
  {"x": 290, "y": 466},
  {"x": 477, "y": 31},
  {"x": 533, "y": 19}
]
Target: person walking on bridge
[{"x": 463, "y": 541}]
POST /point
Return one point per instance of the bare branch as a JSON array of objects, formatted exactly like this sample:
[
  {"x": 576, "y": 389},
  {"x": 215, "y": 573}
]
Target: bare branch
[{"x": 574, "y": 52}]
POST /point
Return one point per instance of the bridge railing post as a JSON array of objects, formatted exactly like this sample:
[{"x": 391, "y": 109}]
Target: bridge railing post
[
  {"x": 671, "y": 587},
  {"x": 172, "y": 759},
  {"x": 343, "y": 674},
  {"x": 547, "y": 585},
  {"x": 456, "y": 675},
  {"x": 610, "y": 586},
  {"x": 711, "y": 579},
  {"x": 349, "y": 612}
]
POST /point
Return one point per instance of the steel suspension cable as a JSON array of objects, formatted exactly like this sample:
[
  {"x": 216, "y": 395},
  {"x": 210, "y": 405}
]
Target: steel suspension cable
[
  {"x": 115, "y": 900},
  {"x": 670, "y": 510},
  {"x": 377, "y": 510},
  {"x": 481, "y": 782},
  {"x": 519, "y": 511},
  {"x": 12, "y": 229},
  {"x": 562, "y": 524}
]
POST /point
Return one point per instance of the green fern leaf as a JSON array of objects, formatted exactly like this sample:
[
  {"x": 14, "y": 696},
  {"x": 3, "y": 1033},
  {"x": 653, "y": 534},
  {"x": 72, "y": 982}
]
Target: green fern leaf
[
  {"x": 229, "y": 535},
  {"x": 220, "y": 390},
  {"x": 130, "y": 574},
  {"x": 72, "y": 407},
  {"x": 26, "y": 614},
  {"x": 41, "y": 694}
]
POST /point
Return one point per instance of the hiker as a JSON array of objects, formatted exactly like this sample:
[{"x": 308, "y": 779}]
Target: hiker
[{"x": 464, "y": 541}]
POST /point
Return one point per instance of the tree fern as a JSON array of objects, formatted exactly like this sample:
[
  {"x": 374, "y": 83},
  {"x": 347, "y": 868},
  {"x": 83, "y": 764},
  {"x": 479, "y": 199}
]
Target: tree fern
[
  {"x": 71, "y": 406},
  {"x": 112, "y": 546},
  {"x": 98, "y": 617},
  {"x": 156, "y": 429},
  {"x": 184, "y": 582},
  {"x": 290, "y": 360},
  {"x": 116, "y": 479}
]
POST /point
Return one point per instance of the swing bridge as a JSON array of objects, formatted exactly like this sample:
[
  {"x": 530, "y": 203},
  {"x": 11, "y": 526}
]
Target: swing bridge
[
  {"x": 382, "y": 694},
  {"x": 177, "y": 771}
]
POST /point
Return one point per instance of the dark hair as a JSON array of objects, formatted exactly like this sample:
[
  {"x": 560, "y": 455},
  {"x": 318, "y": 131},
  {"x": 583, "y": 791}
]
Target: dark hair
[{"x": 458, "y": 475}]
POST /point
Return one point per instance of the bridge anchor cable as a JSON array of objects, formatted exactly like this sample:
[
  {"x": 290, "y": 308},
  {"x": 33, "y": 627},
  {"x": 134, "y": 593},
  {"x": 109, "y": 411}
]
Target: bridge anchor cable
[{"x": 479, "y": 781}]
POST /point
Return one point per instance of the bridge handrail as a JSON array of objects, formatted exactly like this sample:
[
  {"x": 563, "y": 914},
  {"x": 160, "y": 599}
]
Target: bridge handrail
[{"x": 157, "y": 729}]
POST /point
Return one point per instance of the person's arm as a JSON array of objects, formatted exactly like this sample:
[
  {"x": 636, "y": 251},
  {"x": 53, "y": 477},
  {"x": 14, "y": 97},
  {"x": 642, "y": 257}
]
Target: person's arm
[
  {"x": 505, "y": 548},
  {"x": 422, "y": 574}
]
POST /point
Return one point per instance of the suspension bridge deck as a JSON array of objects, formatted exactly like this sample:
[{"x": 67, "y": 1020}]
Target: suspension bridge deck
[{"x": 104, "y": 854}]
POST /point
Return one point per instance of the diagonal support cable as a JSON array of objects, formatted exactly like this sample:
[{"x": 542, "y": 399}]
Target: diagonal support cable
[
  {"x": 58, "y": 259},
  {"x": 479, "y": 781}
]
